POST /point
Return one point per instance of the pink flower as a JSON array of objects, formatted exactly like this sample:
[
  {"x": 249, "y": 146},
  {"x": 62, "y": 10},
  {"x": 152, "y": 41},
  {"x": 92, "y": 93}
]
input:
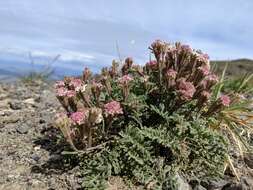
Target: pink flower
[
  {"x": 171, "y": 73},
  {"x": 185, "y": 89},
  {"x": 70, "y": 93},
  {"x": 78, "y": 117},
  {"x": 76, "y": 84},
  {"x": 152, "y": 64},
  {"x": 61, "y": 92},
  {"x": 204, "y": 70},
  {"x": 113, "y": 108},
  {"x": 225, "y": 100},
  {"x": 59, "y": 84},
  {"x": 125, "y": 79}
]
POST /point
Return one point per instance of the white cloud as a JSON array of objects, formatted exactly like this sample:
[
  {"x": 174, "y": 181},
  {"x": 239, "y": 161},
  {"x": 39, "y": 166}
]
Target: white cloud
[{"x": 76, "y": 56}]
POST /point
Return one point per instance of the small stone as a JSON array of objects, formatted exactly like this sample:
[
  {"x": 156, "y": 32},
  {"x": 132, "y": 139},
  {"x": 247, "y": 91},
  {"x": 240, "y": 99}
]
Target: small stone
[
  {"x": 35, "y": 157},
  {"x": 36, "y": 148},
  {"x": 23, "y": 129},
  {"x": 30, "y": 101},
  {"x": 2, "y": 113},
  {"x": 15, "y": 105},
  {"x": 11, "y": 119}
]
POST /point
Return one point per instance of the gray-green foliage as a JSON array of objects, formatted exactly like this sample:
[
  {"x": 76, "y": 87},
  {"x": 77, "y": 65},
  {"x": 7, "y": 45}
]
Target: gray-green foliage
[{"x": 146, "y": 155}]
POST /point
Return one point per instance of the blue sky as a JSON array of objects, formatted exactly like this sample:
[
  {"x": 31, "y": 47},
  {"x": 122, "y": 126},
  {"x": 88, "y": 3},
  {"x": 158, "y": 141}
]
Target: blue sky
[{"x": 85, "y": 32}]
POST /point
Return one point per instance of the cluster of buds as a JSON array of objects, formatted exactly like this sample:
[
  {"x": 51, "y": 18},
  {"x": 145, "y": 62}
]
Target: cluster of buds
[
  {"x": 184, "y": 70},
  {"x": 84, "y": 111}
]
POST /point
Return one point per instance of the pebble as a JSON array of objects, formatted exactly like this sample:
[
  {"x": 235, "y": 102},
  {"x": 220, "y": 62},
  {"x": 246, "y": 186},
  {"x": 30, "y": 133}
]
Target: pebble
[
  {"x": 30, "y": 101},
  {"x": 15, "y": 105},
  {"x": 37, "y": 148},
  {"x": 35, "y": 157},
  {"x": 23, "y": 129}
]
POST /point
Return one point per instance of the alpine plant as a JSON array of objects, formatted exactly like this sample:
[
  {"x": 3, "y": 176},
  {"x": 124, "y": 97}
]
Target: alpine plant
[{"x": 177, "y": 82}]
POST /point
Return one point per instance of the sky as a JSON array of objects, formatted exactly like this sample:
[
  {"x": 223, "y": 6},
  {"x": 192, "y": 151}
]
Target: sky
[{"x": 92, "y": 33}]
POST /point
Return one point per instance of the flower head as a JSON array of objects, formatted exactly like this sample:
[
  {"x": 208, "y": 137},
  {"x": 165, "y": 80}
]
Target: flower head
[
  {"x": 204, "y": 70},
  {"x": 113, "y": 108},
  {"x": 61, "y": 92},
  {"x": 185, "y": 89},
  {"x": 76, "y": 84},
  {"x": 125, "y": 79},
  {"x": 171, "y": 73},
  {"x": 78, "y": 117},
  {"x": 70, "y": 93},
  {"x": 225, "y": 100},
  {"x": 59, "y": 84}
]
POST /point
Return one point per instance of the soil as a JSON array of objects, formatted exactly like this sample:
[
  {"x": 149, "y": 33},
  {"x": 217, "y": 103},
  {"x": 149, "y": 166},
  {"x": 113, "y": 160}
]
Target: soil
[
  {"x": 30, "y": 153},
  {"x": 30, "y": 157}
]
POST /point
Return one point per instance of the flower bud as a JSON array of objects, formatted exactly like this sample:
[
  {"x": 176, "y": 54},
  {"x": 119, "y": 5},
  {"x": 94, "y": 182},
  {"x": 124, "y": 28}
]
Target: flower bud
[
  {"x": 113, "y": 108},
  {"x": 78, "y": 117},
  {"x": 124, "y": 80},
  {"x": 86, "y": 74},
  {"x": 95, "y": 116},
  {"x": 185, "y": 89}
]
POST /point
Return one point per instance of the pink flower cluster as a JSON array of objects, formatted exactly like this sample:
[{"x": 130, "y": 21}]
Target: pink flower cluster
[
  {"x": 171, "y": 73},
  {"x": 61, "y": 92},
  {"x": 78, "y": 117},
  {"x": 185, "y": 89},
  {"x": 125, "y": 79},
  {"x": 204, "y": 70},
  {"x": 59, "y": 84},
  {"x": 76, "y": 84},
  {"x": 113, "y": 108},
  {"x": 225, "y": 100},
  {"x": 152, "y": 64},
  {"x": 70, "y": 93}
]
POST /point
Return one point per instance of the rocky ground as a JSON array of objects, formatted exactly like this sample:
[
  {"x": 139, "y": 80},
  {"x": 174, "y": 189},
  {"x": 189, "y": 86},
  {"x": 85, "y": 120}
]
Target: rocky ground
[{"x": 30, "y": 154}]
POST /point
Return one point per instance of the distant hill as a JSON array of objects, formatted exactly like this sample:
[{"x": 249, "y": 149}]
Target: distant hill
[
  {"x": 237, "y": 67},
  {"x": 11, "y": 70}
]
